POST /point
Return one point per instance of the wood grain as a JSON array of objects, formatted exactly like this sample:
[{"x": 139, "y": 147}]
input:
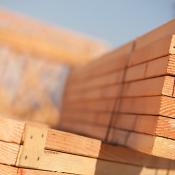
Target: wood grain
[
  {"x": 7, "y": 170},
  {"x": 153, "y": 145},
  {"x": 8, "y": 153},
  {"x": 158, "y": 105},
  {"x": 148, "y": 124},
  {"x": 159, "y": 48},
  {"x": 11, "y": 130},
  {"x": 67, "y": 142}
]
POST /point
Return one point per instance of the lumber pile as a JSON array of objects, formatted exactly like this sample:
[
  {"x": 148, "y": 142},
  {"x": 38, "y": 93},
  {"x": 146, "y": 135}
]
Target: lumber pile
[
  {"x": 33, "y": 149},
  {"x": 127, "y": 96},
  {"x": 47, "y": 41},
  {"x": 35, "y": 60}
]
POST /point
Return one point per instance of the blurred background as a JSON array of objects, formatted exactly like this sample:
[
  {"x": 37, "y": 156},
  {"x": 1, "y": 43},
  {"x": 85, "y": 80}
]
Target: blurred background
[
  {"x": 115, "y": 21},
  {"x": 36, "y": 58}
]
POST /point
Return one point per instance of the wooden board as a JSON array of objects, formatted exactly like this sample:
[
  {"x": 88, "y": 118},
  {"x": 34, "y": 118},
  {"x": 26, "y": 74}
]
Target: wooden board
[
  {"x": 148, "y": 144},
  {"x": 7, "y": 170},
  {"x": 155, "y": 34},
  {"x": 158, "y": 105},
  {"x": 67, "y": 142},
  {"x": 11, "y": 130},
  {"x": 61, "y": 153},
  {"x": 154, "y": 68},
  {"x": 148, "y": 124},
  {"x": 150, "y": 87},
  {"x": 159, "y": 48},
  {"x": 8, "y": 153}
]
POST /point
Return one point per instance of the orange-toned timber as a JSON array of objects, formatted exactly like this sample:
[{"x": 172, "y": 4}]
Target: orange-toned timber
[{"x": 28, "y": 36}]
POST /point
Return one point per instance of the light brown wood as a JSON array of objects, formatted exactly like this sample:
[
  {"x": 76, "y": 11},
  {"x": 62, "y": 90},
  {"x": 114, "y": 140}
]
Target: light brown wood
[
  {"x": 11, "y": 130},
  {"x": 47, "y": 42},
  {"x": 97, "y": 118},
  {"x": 8, "y": 170},
  {"x": 89, "y": 130},
  {"x": 8, "y": 153},
  {"x": 148, "y": 124},
  {"x": 101, "y": 93},
  {"x": 159, "y": 48},
  {"x": 149, "y": 87},
  {"x": 93, "y": 106},
  {"x": 158, "y": 105},
  {"x": 67, "y": 142},
  {"x": 148, "y": 144},
  {"x": 22, "y": 171},
  {"x": 61, "y": 162},
  {"x": 115, "y": 60},
  {"x": 155, "y": 34},
  {"x": 96, "y": 82},
  {"x": 158, "y": 67}
]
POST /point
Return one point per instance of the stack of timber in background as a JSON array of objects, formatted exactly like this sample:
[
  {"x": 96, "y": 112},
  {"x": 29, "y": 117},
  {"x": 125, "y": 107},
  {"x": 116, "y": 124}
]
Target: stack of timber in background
[
  {"x": 91, "y": 93},
  {"x": 34, "y": 62},
  {"x": 33, "y": 149},
  {"x": 138, "y": 110}
]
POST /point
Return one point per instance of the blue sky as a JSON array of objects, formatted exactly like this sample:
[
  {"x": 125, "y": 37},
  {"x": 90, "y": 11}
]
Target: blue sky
[{"x": 115, "y": 21}]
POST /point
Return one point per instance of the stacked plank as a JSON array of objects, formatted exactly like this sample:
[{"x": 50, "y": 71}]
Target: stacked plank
[
  {"x": 34, "y": 62},
  {"x": 135, "y": 106},
  {"x": 33, "y": 149},
  {"x": 144, "y": 116},
  {"x": 91, "y": 93}
]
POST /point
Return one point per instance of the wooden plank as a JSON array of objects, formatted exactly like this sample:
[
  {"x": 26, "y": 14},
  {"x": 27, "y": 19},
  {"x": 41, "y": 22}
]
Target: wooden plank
[
  {"x": 155, "y": 34},
  {"x": 149, "y": 87},
  {"x": 159, "y": 48},
  {"x": 94, "y": 105},
  {"x": 96, "y": 82},
  {"x": 88, "y": 117},
  {"x": 33, "y": 155},
  {"x": 110, "y": 62},
  {"x": 87, "y": 165},
  {"x": 67, "y": 142},
  {"x": 165, "y": 65},
  {"x": 158, "y": 105},
  {"x": 11, "y": 130},
  {"x": 82, "y": 128},
  {"x": 148, "y": 124},
  {"x": 100, "y": 93},
  {"x": 22, "y": 171},
  {"x": 7, "y": 170},
  {"x": 8, "y": 153},
  {"x": 153, "y": 145},
  {"x": 142, "y": 171}
]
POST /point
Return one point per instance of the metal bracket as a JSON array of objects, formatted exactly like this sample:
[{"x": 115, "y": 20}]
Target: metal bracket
[{"x": 32, "y": 150}]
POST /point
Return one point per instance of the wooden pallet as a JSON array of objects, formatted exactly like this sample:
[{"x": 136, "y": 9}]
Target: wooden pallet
[{"x": 31, "y": 148}]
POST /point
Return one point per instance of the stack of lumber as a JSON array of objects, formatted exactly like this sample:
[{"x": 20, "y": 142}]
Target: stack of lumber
[
  {"x": 91, "y": 93},
  {"x": 47, "y": 41},
  {"x": 34, "y": 62},
  {"x": 127, "y": 96},
  {"x": 34, "y": 149}
]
